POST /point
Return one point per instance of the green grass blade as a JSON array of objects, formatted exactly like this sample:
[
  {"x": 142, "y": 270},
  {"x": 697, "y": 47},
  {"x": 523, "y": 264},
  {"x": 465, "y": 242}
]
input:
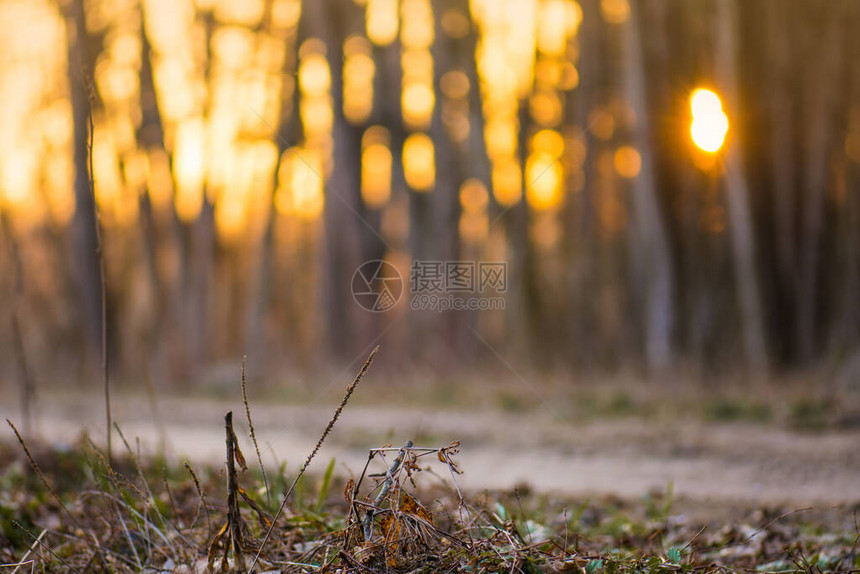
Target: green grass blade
[{"x": 326, "y": 483}]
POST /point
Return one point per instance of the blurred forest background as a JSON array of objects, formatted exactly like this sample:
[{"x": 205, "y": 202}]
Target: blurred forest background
[{"x": 249, "y": 156}]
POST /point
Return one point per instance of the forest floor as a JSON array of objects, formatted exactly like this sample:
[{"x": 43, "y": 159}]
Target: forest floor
[
  {"x": 706, "y": 461},
  {"x": 612, "y": 485}
]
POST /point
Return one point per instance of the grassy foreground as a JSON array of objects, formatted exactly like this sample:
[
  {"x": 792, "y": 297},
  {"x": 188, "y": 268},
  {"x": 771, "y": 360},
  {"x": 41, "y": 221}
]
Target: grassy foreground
[
  {"x": 73, "y": 511},
  {"x": 404, "y": 513},
  {"x": 80, "y": 509},
  {"x": 84, "y": 514}
]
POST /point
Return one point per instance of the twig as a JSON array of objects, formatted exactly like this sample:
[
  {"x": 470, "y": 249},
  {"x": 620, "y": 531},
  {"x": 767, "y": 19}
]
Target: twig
[
  {"x": 147, "y": 522},
  {"x": 202, "y": 495},
  {"x": 143, "y": 493},
  {"x": 253, "y": 436},
  {"x": 37, "y": 542},
  {"x": 148, "y": 496},
  {"x": 16, "y": 524},
  {"x": 171, "y": 499},
  {"x": 353, "y": 506},
  {"x": 523, "y": 514},
  {"x": 566, "y": 529},
  {"x": 39, "y": 473},
  {"x": 234, "y": 519},
  {"x": 694, "y": 538},
  {"x": 102, "y": 280},
  {"x": 383, "y": 492},
  {"x": 26, "y": 376},
  {"x": 322, "y": 438},
  {"x": 765, "y": 526},
  {"x": 128, "y": 535}
]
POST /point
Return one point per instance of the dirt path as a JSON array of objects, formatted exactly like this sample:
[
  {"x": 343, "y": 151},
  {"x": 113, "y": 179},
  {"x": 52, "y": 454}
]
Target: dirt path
[{"x": 708, "y": 462}]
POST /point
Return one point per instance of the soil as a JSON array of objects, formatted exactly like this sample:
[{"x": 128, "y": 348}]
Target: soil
[{"x": 717, "y": 464}]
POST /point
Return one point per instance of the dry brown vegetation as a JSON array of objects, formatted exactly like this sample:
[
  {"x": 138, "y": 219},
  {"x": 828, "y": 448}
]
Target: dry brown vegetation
[{"x": 75, "y": 510}]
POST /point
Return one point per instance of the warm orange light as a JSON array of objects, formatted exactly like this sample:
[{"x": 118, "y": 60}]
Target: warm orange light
[
  {"x": 117, "y": 204},
  {"x": 549, "y": 141},
  {"x": 56, "y": 123},
  {"x": 17, "y": 191},
  {"x": 158, "y": 180},
  {"x": 507, "y": 182},
  {"x": 417, "y": 17},
  {"x": 417, "y": 102},
  {"x": 546, "y": 108},
  {"x": 376, "y": 175},
  {"x": 615, "y": 11},
  {"x": 189, "y": 168},
  {"x": 17, "y": 173},
  {"x": 704, "y": 102},
  {"x": 474, "y": 226},
  {"x": 601, "y": 123},
  {"x": 455, "y": 116},
  {"x": 116, "y": 82},
  {"x": 454, "y": 84},
  {"x": 573, "y": 16},
  {"x": 569, "y": 77},
  {"x": 261, "y": 163},
  {"x": 134, "y": 170},
  {"x": 627, "y": 162},
  {"x": 473, "y": 196},
  {"x": 545, "y": 230},
  {"x": 286, "y": 13},
  {"x": 59, "y": 173},
  {"x": 417, "y": 66},
  {"x": 246, "y": 13},
  {"x": 419, "y": 162},
  {"x": 359, "y": 70},
  {"x": 382, "y": 21},
  {"x": 317, "y": 115},
  {"x": 501, "y": 137},
  {"x": 710, "y": 124},
  {"x": 230, "y": 215},
  {"x": 314, "y": 75},
  {"x": 455, "y": 23},
  {"x": 174, "y": 87},
  {"x": 506, "y": 49},
  {"x": 300, "y": 184},
  {"x": 553, "y": 27},
  {"x": 543, "y": 177},
  {"x": 375, "y": 167}
]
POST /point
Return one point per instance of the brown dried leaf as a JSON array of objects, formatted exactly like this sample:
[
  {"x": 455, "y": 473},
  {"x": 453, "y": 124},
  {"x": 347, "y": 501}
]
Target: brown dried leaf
[
  {"x": 391, "y": 526},
  {"x": 410, "y": 505},
  {"x": 213, "y": 548},
  {"x": 347, "y": 491},
  {"x": 262, "y": 517},
  {"x": 240, "y": 458},
  {"x": 444, "y": 455}
]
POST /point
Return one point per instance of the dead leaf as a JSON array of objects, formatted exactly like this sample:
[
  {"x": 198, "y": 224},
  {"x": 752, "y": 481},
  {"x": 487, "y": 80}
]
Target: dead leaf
[
  {"x": 240, "y": 458},
  {"x": 347, "y": 491},
  {"x": 410, "y": 505}
]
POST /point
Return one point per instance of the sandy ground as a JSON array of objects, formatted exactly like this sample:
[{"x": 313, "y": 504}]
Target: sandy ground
[{"x": 718, "y": 463}]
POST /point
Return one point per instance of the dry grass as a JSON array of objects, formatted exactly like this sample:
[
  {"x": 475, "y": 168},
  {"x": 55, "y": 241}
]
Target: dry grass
[{"x": 79, "y": 511}]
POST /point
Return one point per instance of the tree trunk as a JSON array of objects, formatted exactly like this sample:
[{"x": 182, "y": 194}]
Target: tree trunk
[
  {"x": 652, "y": 265},
  {"x": 83, "y": 230},
  {"x": 820, "y": 95},
  {"x": 740, "y": 218}
]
